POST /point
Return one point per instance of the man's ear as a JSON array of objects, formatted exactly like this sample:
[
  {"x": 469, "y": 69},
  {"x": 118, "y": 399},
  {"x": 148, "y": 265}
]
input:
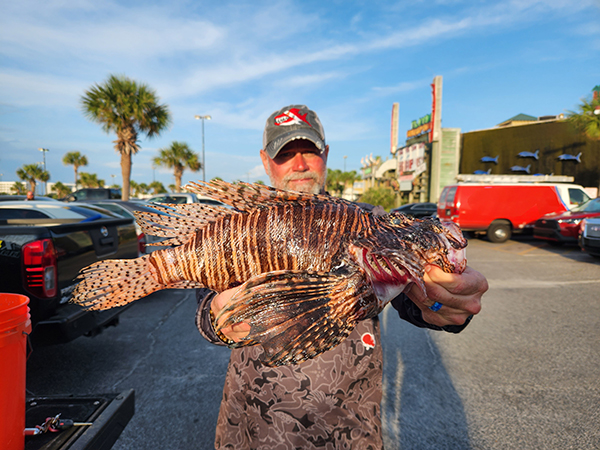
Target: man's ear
[
  {"x": 326, "y": 153},
  {"x": 265, "y": 160}
]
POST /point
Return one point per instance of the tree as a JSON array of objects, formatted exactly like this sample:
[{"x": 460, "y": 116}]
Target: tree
[
  {"x": 587, "y": 119},
  {"x": 32, "y": 173},
  {"x": 178, "y": 157},
  {"x": 75, "y": 159},
  {"x": 140, "y": 189},
  {"x": 18, "y": 188},
  {"x": 333, "y": 183},
  {"x": 157, "y": 188},
  {"x": 61, "y": 189},
  {"x": 382, "y": 196},
  {"x": 128, "y": 109},
  {"x": 90, "y": 180}
]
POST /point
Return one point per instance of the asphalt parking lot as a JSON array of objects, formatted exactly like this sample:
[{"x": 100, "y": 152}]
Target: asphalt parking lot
[{"x": 525, "y": 374}]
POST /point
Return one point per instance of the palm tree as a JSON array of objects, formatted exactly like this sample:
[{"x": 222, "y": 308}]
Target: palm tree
[
  {"x": 32, "y": 173},
  {"x": 18, "y": 188},
  {"x": 178, "y": 157},
  {"x": 140, "y": 189},
  {"x": 127, "y": 108},
  {"x": 90, "y": 180},
  {"x": 587, "y": 119},
  {"x": 61, "y": 189},
  {"x": 334, "y": 181},
  {"x": 157, "y": 188},
  {"x": 75, "y": 159}
]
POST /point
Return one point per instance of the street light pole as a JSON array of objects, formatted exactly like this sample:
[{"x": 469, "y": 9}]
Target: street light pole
[
  {"x": 207, "y": 117},
  {"x": 44, "y": 150}
]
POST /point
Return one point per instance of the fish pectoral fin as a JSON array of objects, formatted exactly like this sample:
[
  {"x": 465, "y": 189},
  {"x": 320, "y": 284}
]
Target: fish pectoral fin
[{"x": 296, "y": 315}]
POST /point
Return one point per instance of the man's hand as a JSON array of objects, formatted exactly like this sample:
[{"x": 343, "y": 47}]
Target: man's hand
[
  {"x": 236, "y": 332},
  {"x": 460, "y": 295}
]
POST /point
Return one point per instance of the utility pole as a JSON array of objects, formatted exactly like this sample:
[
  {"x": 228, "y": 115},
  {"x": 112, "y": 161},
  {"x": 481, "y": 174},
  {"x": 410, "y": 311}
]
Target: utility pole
[
  {"x": 202, "y": 118},
  {"x": 44, "y": 150}
]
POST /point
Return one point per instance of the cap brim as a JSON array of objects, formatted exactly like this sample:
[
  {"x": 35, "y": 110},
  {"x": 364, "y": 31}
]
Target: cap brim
[{"x": 277, "y": 144}]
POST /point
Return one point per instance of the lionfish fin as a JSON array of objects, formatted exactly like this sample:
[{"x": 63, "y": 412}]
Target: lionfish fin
[
  {"x": 245, "y": 196},
  {"x": 178, "y": 221},
  {"x": 295, "y": 315}
]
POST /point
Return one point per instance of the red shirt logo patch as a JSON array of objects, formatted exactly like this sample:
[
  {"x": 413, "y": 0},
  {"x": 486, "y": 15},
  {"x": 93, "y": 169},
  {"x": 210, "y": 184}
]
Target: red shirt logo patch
[{"x": 368, "y": 340}]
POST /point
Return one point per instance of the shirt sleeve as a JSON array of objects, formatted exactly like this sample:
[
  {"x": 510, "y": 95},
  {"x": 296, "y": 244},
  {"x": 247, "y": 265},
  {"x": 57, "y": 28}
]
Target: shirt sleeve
[
  {"x": 410, "y": 312},
  {"x": 203, "y": 322}
]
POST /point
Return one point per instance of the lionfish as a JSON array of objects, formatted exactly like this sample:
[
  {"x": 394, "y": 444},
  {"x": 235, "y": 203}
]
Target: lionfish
[{"x": 308, "y": 267}]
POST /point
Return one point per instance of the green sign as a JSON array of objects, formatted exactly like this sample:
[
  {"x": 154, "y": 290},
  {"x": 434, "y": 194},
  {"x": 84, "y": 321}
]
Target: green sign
[{"x": 422, "y": 121}]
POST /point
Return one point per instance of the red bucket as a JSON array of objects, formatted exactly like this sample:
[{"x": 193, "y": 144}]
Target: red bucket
[{"x": 15, "y": 321}]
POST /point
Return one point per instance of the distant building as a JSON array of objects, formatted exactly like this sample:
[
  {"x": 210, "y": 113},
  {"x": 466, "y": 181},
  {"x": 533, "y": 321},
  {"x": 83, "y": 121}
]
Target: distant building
[{"x": 547, "y": 145}]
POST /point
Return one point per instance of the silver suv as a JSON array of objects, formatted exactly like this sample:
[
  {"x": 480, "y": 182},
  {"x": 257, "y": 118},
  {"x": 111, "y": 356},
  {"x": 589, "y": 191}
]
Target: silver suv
[{"x": 183, "y": 197}]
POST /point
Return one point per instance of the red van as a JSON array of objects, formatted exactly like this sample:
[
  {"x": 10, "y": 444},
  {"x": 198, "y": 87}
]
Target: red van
[{"x": 500, "y": 209}]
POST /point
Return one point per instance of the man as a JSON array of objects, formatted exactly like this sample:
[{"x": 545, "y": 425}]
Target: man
[
  {"x": 333, "y": 400},
  {"x": 30, "y": 195}
]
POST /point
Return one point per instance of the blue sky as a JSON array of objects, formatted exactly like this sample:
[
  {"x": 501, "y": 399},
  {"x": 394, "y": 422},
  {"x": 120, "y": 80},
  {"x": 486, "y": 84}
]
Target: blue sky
[{"x": 239, "y": 61}]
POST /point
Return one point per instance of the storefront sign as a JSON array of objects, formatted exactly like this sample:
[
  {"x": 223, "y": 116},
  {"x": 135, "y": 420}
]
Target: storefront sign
[{"x": 411, "y": 159}]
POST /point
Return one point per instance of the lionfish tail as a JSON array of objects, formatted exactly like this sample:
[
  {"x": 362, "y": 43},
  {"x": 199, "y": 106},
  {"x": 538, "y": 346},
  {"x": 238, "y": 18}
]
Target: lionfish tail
[{"x": 112, "y": 283}]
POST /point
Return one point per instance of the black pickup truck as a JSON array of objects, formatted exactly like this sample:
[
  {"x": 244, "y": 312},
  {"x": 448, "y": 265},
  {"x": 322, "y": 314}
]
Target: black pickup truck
[{"x": 43, "y": 246}]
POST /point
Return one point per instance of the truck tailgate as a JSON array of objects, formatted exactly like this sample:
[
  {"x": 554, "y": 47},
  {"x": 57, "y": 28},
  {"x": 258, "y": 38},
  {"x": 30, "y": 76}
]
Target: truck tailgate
[{"x": 109, "y": 414}]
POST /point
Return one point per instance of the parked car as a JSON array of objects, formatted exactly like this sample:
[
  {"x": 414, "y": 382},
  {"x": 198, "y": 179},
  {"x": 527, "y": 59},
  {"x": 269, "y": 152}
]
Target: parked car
[
  {"x": 564, "y": 228},
  {"x": 18, "y": 198},
  {"x": 183, "y": 197},
  {"x": 43, "y": 246},
  {"x": 418, "y": 210},
  {"x": 589, "y": 236},
  {"x": 127, "y": 209},
  {"x": 93, "y": 194},
  {"x": 501, "y": 209}
]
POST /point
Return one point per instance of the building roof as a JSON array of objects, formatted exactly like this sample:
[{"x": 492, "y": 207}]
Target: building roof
[{"x": 518, "y": 118}]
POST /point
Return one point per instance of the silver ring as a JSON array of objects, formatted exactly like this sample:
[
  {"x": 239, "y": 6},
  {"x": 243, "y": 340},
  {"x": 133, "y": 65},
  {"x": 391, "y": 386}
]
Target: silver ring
[{"x": 436, "y": 306}]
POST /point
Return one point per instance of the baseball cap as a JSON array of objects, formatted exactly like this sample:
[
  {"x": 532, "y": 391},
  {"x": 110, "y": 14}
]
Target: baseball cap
[{"x": 289, "y": 123}]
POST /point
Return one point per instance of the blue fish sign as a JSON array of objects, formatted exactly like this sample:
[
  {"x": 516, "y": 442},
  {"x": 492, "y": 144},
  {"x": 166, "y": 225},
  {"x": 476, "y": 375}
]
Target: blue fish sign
[
  {"x": 567, "y": 157},
  {"x": 520, "y": 168},
  {"x": 487, "y": 159},
  {"x": 483, "y": 172},
  {"x": 529, "y": 154}
]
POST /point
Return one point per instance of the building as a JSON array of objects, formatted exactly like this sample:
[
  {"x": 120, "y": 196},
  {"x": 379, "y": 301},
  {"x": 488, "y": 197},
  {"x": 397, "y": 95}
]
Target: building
[{"x": 547, "y": 145}]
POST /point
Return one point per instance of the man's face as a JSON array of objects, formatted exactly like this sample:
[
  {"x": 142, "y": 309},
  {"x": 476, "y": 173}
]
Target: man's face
[{"x": 299, "y": 166}]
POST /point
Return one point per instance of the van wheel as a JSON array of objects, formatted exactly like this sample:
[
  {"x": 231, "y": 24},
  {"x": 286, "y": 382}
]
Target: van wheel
[{"x": 499, "y": 231}]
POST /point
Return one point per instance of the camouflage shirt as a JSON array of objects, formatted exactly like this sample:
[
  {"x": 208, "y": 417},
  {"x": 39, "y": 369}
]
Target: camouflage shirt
[{"x": 329, "y": 402}]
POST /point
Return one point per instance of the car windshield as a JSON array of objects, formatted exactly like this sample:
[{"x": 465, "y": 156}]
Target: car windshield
[{"x": 591, "y": 206}]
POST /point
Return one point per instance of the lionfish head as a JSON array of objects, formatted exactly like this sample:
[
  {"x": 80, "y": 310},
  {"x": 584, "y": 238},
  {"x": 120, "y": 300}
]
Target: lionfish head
[{"x": 395, "y": 251}]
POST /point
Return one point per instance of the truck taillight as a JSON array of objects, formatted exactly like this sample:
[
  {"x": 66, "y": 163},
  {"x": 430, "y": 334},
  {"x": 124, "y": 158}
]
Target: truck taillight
[
  {"x": 39, "y": 268},
  {"x": 141, "y": 243}
]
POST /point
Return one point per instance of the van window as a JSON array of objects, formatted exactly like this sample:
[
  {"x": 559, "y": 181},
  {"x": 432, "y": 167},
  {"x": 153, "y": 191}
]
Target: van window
[
  {"x": 577, "y": 196},
  {"x": 442, "y": 199},
  {"x": 451, "y": 194}
]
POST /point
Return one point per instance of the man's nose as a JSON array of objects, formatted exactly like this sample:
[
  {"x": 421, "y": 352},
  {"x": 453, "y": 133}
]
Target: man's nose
[{"x": 299, "y": 163}]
